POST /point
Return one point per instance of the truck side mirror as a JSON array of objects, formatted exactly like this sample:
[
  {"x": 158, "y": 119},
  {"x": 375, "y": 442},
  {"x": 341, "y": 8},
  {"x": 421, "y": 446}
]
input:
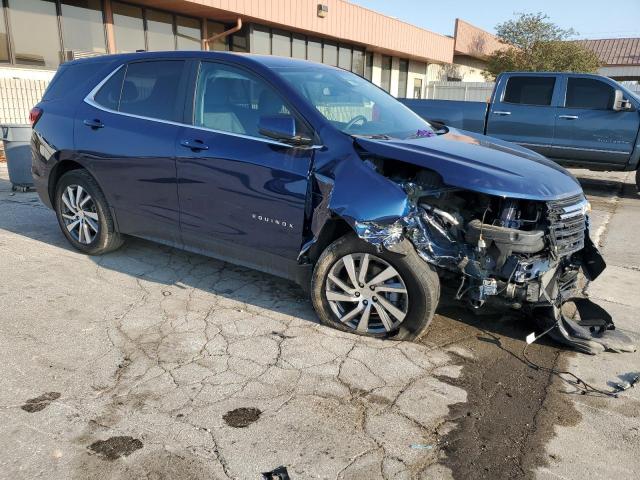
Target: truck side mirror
[{"x": 621, "y": 104}]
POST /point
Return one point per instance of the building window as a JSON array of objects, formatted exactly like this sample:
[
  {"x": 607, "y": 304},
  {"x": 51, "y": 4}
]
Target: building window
[
  {"x": 403, "y": 78},
  {"x": 239, "y": 41},
  {"x": 368, "y": 66},
  {"x": 4, "y": 43},
  {"x": 128, "y": 27},
  {"x": 160, "y": 31},
  {"x": 314, "y": 50},
  {"x": 357, "y": 64},
  {"x": 417, "y": 88},
  {"x": 214, "y": 28},
  {"x": 83, "y": 26},
  {"x": 330, "y": 54},
  {"x": 344, "y": 57},
  {"x": 298, "y": 46},
  {"x": 28, "y": 16},
  {"x": 261, "y": 40},
  {"x": 188, "y": 33},
  {"x": 280, "y": 43},
  {"x": 386, "y": 73}
]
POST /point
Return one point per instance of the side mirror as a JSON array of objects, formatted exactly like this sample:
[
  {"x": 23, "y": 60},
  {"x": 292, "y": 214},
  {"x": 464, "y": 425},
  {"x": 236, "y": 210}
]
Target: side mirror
[
  {"x": 282, "y": 128},
  {"x": 621, "y": 104}
]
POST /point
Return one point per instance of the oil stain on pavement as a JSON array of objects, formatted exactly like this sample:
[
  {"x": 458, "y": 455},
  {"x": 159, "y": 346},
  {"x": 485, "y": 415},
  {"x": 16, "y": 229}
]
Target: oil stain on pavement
[
  {"x": 241, "y": 417},
  {"x": 115, "y": 447},
  {"x": 40, "y": 403},
  {"x": 511, "y": 408}
]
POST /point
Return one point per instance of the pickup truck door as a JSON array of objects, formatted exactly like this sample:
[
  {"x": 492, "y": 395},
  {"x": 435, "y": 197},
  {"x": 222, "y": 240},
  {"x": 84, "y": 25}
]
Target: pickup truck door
[
  {"x": 242, "y": 195},
  {"x": 588, "y": 130},
  {"x": 523, "y": 111}
]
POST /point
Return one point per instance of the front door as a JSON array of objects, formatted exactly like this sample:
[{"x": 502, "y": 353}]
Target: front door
[
  {"x": 126, "y": 137},
  {"x": 242, "y": 195},
  {"x": 525, "y": 113},
  {"x": 589, "y": 130}
]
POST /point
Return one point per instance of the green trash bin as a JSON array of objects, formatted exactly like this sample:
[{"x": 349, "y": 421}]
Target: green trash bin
[{"x": 17, "y": 149}]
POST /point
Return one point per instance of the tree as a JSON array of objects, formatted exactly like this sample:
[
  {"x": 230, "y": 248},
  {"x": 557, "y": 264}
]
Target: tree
[{"x": 534, "y": 44}]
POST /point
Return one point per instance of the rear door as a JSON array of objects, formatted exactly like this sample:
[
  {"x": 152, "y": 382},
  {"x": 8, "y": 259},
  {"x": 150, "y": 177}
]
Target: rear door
[
  {"x": 588, "y": 130},
  {"x": 242, "y": 195},
  {"x": 524, "y": 112},
  {"x": 125, "y": 133}
]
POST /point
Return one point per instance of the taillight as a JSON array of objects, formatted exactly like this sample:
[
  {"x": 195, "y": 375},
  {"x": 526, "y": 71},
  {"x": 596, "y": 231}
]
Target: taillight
[{"x": 34, "y": 116}]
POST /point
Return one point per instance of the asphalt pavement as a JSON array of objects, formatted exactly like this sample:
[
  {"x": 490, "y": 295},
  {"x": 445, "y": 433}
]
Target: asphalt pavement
[{"x": 151, "y": 362}]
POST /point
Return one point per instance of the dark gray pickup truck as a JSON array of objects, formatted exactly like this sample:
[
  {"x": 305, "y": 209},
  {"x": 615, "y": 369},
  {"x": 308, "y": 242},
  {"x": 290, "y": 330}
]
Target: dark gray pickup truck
[{"x": 579, "y": 120}]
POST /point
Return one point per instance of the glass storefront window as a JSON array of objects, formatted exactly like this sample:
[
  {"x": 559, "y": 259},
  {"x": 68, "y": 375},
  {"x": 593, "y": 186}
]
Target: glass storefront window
[
  {"x": 128, "y": 27},
  {"x": 239, "y": 41},
  {"x": 357, "y": 64},
  {"x": 403, "y": 77},
  {"x": 4, "y": 43},
  {"x": 314, "y": 50},
  {"x": 344, "y": 57},
  {"x": 83, "y": 26},
  {"x": 368, "y": 66},
  {"x": 188, "y": 33},
  {"x": 330, "y": 54},
  {"x": 261, "y": 40},
  {"x": 298, "y": 46},
  {"x": 280, "y": 43},
  {"x": 386, "y": 73},
  {"x": 28, "y": 16},
  {"x": 213, "y": 28},
  {"x": 160, "y": 31}
]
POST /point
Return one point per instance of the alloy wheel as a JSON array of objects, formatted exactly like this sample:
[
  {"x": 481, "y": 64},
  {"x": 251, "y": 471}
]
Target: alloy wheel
[
  {"x": 367, "y": 294},
  {"x": 79, "y": 214}
]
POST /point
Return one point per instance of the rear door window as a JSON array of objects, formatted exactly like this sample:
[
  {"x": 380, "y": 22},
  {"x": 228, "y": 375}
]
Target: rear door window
[
  {"x": 530, "y": 90},
  {"x": 590, "y": 94},
  {"x": 147, "y": 89}
]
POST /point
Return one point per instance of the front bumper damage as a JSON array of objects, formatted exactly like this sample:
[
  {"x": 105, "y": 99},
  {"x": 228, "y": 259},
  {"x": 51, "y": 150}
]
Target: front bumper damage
[{"x": 532, "y": 270}]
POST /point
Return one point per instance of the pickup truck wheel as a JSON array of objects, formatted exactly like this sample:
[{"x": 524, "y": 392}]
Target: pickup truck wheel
[
  {"x": 357, "y": 289},
  {"x": 84, "y": 215}
]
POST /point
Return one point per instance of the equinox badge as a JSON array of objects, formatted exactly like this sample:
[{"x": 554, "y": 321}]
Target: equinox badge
[{"x": 262, "y": 218}]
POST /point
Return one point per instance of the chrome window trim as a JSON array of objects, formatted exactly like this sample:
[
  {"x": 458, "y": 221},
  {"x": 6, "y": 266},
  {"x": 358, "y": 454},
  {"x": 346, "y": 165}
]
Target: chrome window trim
[
  {"x": 572, "y": 148},
  {"x": 90, "y": 100}
]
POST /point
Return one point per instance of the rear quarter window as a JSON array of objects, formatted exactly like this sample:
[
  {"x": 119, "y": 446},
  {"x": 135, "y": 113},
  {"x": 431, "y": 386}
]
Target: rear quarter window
[{"x": 70, "y": 79}]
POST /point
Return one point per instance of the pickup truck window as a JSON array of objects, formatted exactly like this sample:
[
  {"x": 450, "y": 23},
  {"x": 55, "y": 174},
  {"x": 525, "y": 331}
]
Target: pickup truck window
[
  {"x": 354, "y": 105},
  {"x": 589, "y": 93},
  {"x": 530, "y": 90}
]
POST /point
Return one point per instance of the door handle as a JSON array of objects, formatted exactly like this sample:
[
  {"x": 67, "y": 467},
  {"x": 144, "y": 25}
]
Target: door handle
[
  {"x": 195, "y": 145},
  {"x": 569, "y": 117},
  {"x": 95, "y": 123},
  {"x": 501, "y": 113}
]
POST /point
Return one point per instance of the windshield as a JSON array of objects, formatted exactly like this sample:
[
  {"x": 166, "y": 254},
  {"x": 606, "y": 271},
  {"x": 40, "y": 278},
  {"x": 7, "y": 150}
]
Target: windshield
[{"x": 354, "y": 105}]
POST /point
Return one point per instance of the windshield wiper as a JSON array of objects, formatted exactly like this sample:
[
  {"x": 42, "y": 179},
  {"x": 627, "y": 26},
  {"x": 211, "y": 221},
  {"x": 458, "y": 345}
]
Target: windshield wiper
[{"x": 375, "y": 136}]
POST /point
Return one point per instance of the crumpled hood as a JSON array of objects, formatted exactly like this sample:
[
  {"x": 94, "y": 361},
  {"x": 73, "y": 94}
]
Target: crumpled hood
[{"x": 482, "y": 164}]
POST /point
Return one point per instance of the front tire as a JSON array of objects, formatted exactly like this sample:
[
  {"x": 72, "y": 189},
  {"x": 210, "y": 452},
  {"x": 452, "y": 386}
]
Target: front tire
[
  {"x": 84, "y": 215},
  {"x": 357, "y": 289}
]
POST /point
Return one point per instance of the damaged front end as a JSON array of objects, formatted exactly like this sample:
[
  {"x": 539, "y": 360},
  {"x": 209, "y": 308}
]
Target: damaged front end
[{"x": 519, "y": 253}]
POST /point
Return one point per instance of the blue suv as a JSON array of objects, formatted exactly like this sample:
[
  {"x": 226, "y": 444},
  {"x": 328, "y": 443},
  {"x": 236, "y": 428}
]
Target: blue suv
[{"x": 314, "y": 174}]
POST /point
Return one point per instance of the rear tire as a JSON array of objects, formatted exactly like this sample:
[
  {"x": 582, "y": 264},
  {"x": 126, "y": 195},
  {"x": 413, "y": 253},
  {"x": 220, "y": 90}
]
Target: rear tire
[
  {"x": 84, "y": 215},
  {"x": 409, "y": 297}
]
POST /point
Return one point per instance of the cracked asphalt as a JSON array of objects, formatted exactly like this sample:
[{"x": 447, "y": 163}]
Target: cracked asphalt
[{"x": 156, "y": 363}]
